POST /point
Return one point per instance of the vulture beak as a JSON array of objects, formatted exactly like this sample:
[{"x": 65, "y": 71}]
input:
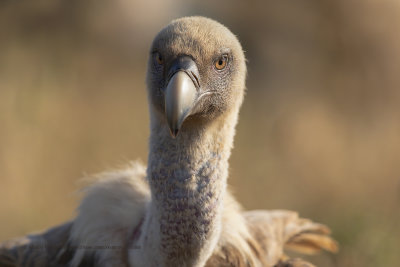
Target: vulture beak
[{"x": 181, "y": 93}]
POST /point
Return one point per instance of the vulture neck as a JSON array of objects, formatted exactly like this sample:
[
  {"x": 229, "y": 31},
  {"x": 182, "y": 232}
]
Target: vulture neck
[{"x": 187, "y": 177}]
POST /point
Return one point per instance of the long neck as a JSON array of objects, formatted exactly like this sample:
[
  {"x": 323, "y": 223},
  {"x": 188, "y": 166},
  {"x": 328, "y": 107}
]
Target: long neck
[{"x": 187, "y": 177}]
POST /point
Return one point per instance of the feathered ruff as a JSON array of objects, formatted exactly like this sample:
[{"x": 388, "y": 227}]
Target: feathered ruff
[{"x": 114, "y": 206}]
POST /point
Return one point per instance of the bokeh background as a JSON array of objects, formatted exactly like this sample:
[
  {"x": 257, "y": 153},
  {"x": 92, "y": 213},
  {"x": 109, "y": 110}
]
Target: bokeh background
[{"x": 319, "y": 131}]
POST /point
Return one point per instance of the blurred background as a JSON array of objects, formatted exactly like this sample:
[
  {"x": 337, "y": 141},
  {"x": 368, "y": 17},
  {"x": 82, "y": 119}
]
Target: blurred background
[{"x": 319, "y": 131}]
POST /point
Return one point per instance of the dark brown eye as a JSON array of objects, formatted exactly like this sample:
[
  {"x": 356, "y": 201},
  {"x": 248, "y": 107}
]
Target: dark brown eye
[
  {"x": 221, "y": 62},
  {"x": 159, "y": 58}
]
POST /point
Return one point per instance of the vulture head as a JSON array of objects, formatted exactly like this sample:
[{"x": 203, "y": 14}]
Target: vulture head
[{"x": 196, "y": 73}]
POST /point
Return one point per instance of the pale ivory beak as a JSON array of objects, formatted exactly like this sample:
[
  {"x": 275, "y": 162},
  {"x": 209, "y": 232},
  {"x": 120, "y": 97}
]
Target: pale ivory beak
[{"x": 180, "y": 97}]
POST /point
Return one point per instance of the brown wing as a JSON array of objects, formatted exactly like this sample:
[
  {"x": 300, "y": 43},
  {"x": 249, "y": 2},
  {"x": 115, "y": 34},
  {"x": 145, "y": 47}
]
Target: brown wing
[
  {"x": 49, "y": 248},
  {"x": 259, "y": 238},
  {"x": 277, "y": 230},
  {"x": 294, "y": 263}
]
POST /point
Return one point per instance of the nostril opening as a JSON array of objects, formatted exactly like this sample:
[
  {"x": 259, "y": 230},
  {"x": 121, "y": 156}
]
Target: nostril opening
[{"x": 196, "y": 78}]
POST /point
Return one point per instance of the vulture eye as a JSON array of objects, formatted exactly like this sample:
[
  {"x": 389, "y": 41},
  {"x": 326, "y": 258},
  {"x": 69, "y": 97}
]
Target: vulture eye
[
  {"x": 221, "y": 63},
  {"x": 159, "y": 58}
]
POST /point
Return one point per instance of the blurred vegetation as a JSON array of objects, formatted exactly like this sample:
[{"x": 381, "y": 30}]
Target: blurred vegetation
[{"x": 319, "y": 131}]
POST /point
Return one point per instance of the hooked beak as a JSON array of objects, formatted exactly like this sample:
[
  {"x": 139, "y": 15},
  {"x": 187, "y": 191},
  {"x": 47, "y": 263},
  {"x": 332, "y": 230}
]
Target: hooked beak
[{"x": 181, "y": 93}]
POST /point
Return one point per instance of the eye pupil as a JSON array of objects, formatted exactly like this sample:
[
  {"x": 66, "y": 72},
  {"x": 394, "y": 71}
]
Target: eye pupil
[{"x": 221, "y": 62}]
